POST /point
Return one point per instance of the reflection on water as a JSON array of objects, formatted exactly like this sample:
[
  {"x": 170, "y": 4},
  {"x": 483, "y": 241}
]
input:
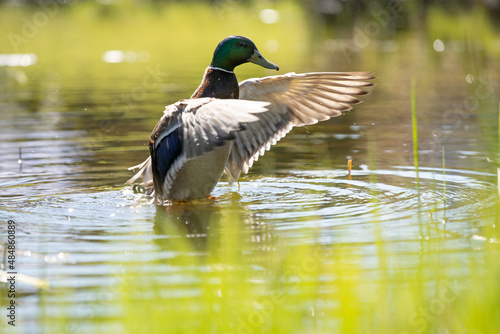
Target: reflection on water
[{"x": 72, "y": 123}]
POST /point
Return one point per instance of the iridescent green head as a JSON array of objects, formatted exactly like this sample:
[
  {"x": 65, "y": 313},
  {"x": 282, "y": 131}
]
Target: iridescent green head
[{"x": 237, "y": 50}]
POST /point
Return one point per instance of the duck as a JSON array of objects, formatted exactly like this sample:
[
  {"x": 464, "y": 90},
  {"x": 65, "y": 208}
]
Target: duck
[{"x": 225, "y": 125}]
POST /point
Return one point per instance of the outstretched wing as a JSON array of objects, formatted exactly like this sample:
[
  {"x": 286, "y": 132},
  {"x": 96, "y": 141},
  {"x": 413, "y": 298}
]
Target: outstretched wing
[
  {"x": 296, "y": 100},
  {"x": 189, "y": 129}
]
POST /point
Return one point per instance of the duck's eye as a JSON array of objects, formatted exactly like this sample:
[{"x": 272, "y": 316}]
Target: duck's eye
[{"x": 240, "y": 43}]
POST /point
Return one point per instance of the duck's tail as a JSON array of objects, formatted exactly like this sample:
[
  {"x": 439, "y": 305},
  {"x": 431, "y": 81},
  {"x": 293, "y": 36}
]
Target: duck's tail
[{"x": 146, "y": 173}]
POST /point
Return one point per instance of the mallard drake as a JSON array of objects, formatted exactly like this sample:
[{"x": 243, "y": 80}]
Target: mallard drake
[{"x": 226, "y": 126}]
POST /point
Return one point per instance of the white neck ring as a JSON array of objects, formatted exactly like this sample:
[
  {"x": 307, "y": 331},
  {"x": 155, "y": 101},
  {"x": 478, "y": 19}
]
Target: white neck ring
[{"x": 220, "y": 69}]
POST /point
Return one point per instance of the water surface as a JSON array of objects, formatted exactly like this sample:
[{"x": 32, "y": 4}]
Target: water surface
[{"x": 71, "y": 126}]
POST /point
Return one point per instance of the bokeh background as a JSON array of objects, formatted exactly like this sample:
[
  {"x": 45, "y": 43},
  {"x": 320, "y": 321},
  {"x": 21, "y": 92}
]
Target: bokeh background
[{"x": 408, "y": 244}]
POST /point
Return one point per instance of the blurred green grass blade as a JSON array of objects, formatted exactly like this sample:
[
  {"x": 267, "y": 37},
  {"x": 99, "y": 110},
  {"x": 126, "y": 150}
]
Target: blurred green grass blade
[
  {"x": 444, "y": 185},
  {"x": 414, "y": 128}
]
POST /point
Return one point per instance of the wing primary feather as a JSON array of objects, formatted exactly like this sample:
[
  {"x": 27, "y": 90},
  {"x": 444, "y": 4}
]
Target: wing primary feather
[{"x": 295, "y": 100}]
